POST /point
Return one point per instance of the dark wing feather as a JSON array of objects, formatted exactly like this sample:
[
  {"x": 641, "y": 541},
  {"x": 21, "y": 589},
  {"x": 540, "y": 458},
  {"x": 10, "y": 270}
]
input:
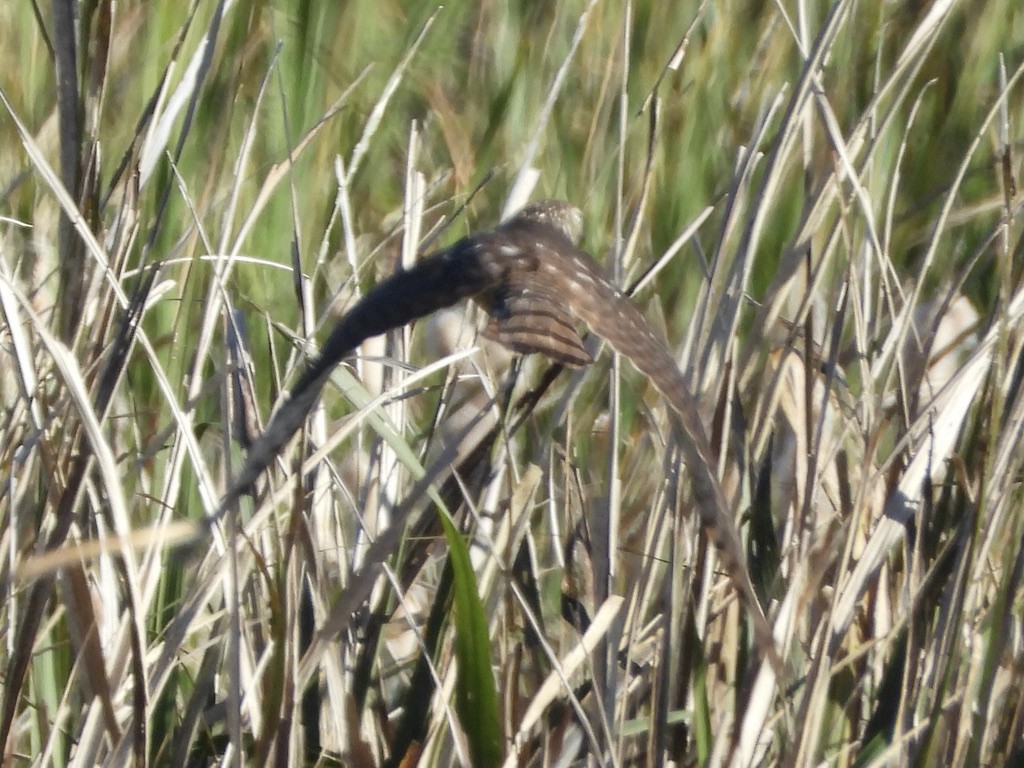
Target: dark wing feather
[{"x": 527, "y": 317}]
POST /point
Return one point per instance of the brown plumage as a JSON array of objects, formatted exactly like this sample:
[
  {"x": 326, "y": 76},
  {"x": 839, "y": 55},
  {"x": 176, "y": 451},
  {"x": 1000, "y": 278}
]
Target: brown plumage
[
  {"x": 567, "y": 280},
  {"x": 536, "y": 284}
]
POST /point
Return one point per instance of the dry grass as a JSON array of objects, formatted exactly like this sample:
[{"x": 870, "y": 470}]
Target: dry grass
[{"x": 816, "y": 203}]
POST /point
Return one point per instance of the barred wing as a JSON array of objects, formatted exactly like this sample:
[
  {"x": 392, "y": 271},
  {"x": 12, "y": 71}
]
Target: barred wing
[{"x": 526, "y": 317}]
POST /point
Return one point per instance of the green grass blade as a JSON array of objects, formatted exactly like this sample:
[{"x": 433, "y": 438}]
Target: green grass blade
[{"x": 476, "y": 696}]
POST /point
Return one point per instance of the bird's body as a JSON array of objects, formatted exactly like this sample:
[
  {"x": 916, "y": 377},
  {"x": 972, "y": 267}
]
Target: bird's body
[
  {"x": 537, "y": 284},
  {"x": 567, "y": 278}
]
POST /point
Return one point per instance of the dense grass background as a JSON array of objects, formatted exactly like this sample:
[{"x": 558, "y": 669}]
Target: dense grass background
[{"x": 858, "y": 249}]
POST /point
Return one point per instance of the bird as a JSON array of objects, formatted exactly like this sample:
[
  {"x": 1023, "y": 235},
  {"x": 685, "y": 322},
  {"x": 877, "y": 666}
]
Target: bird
[{"x": 536, "y": 284}]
